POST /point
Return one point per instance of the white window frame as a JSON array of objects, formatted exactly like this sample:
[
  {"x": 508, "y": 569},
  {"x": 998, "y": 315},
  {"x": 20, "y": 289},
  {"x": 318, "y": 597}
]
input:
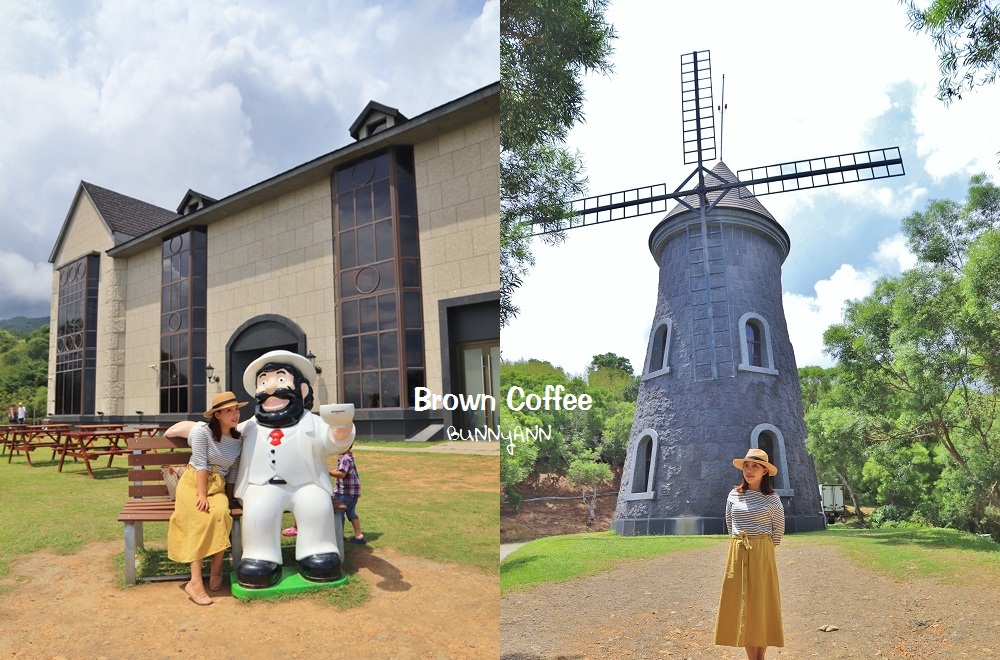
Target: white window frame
[
  {"x": 663, "y": 367},
  {"x": 767, "y": 355},
  {"x": 781, "y": 484},
  {"x": 650, "y": 492}
]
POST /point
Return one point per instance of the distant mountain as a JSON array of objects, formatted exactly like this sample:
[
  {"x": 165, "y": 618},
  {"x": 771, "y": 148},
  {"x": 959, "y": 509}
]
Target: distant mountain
[{"x": 20, "y": 325}]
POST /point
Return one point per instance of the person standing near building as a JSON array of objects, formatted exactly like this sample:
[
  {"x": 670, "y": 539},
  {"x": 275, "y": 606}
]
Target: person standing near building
[
  {"x": 21, "y": 413},
  {"x": 750, "y": 605}
]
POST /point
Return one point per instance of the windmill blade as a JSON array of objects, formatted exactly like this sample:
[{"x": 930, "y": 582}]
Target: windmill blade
[
  {"x": 820, "y": 172},
  {"x": 621, "y": 205},
  {"x": 697, "y": 108},
  {"x": 606, "y": 208}
]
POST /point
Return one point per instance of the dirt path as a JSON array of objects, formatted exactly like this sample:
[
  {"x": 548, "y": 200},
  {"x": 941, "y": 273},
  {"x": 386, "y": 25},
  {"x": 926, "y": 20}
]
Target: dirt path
[
  {"x": 665, "y": 608},
  {"x": 56, "y": 606}
]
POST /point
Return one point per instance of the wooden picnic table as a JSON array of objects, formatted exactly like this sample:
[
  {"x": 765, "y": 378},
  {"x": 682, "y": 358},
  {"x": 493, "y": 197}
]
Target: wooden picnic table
[
  {"x": 93, "y": 444},
  {"x": 7, "y": 436},
  {"x": 150, "y": 431},
  {"x": 28, "y": 438},
  {"x": 100, "y": 427}
]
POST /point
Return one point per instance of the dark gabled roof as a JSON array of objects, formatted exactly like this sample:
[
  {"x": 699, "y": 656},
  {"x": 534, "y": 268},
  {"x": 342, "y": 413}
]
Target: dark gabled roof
[
  {"x": 127, "y": 215},
  {"x": 739, "y": 198},
  {"x": 194, "y": 201},
  {"x": 374, "y": 107}
]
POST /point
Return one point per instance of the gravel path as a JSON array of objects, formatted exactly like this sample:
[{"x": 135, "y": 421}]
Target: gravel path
[{"x": 666, "y": 607}]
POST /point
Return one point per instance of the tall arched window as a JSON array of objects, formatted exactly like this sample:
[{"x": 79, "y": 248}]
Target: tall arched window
[
  {"x": 643, "y": 484},
  {"x": 769, "y": 438},
  {"x": 755, "y": 345},
  {"x": 658, "y": 353}
]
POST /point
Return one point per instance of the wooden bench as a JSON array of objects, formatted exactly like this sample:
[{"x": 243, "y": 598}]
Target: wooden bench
[{"x": 148, "y": 499}]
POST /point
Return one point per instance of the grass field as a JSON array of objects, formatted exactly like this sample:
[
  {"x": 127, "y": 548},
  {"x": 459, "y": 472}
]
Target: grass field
[
  {"x": 923, "y": 552},
  {"x": 441, "y": 507},
  {"x": 561, "y": 558},
  {"x": 919, "y": 552}
]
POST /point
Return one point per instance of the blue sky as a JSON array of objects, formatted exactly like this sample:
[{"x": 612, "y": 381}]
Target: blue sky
[
  {"x": 802, "y": 80},
  {"x": 150, "y": 99}
]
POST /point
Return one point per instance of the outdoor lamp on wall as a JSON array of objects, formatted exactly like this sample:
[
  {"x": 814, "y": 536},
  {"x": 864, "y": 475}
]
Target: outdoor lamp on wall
[
  {"x": 210, "y": 374},
  {"x": 312, "y": 360}
]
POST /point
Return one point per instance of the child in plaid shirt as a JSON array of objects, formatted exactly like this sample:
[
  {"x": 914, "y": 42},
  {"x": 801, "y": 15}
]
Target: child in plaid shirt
[{"x": 348, "y": 492}]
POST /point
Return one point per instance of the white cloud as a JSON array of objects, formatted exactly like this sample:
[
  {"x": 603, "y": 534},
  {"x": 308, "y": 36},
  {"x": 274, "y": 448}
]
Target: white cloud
[
  {"x": 814, "y": 314},
  {"x": 893, "y": 257},
  {"x": 25, "y": 281}
]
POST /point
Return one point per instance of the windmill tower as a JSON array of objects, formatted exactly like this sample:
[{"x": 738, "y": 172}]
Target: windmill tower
[
  {"x": 719, "y": 377},
  {"x": 720, "y": 374}
]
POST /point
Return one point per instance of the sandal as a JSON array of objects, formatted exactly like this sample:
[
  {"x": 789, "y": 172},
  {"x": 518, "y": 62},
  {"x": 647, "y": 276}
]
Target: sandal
[
  {"x": 198, "y": 599},
  {"x": 291, "y": 531},
  {"x": 359, "y": 541}
]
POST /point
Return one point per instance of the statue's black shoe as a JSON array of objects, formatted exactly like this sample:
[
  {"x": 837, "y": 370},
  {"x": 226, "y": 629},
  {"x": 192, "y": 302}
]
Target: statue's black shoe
[
  {"x": 323, "y": 567},
  {"x": 257, "y": 573}
]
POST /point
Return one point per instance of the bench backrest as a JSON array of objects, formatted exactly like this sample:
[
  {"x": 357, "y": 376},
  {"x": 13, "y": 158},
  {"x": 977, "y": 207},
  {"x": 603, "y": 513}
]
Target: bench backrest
[{"x": 145, "y": 473}]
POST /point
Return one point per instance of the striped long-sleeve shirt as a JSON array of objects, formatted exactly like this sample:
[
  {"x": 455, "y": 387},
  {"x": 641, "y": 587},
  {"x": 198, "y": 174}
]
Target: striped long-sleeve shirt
[
  {"x": 206, "y": 453},
  {"x": 755, "y": 513}
]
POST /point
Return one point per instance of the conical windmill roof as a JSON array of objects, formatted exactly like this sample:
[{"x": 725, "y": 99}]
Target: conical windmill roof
[{"x": 736, "y": 198}]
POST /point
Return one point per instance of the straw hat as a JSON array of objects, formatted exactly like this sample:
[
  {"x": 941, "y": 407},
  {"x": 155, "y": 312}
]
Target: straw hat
[
  {"x": 223, "y": 400},
  {"x": 758, "y": 456}
]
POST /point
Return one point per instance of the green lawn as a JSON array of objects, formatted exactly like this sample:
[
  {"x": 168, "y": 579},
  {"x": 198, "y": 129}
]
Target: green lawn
[
  {"x": 926, "y": 552},
  {"x": 919, "y": 552},
  {"x": 561, "y": 558},
  {"x": 437, "y": 506}
]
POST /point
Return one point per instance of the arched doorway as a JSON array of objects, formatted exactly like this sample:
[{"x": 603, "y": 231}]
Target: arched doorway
[{"x": 267, "y": 332}]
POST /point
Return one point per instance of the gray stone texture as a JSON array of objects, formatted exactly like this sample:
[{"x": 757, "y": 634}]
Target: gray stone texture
[{"x": 703, "y": 421}]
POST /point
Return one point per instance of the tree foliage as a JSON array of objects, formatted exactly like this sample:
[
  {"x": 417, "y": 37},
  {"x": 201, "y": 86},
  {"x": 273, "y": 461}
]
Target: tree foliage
[
  {"x": 966, "y": 34},
  {"x": 581, "y": 443},
  {"x": 545, "y": 49},
  {"x": 917, "y": 377},
  {"x": 24, "y": 364}
]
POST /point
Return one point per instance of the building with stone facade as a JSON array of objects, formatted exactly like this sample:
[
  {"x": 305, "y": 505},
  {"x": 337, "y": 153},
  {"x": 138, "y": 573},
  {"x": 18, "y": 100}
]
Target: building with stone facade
[{"x": 381, "y": 260}]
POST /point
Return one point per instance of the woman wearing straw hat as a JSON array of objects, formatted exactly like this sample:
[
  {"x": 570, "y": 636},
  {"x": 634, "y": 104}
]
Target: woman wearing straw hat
[
  {"x": 750, "y": 606},
  {"x": 201, "y": 523}
]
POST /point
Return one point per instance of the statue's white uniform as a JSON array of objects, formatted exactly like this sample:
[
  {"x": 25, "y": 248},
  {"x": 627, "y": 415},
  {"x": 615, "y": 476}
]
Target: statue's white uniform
[{"x": 300, "y": 460}]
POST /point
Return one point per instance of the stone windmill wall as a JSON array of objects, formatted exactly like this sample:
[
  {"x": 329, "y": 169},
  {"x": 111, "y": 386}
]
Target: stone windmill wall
[{"x": 709, "y": 390}]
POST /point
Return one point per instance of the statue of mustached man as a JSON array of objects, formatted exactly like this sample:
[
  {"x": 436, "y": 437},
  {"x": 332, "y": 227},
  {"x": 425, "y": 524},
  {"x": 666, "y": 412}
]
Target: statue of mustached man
[{"x": 283, "y": 468}]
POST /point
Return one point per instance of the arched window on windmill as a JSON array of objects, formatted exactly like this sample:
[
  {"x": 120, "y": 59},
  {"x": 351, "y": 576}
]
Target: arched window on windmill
[
  {"x": 755, "y": 345},
  {"x": 769, "y": 438},
  {"x": 644, "y": 467},
  {"x": 658, "y": 353}
]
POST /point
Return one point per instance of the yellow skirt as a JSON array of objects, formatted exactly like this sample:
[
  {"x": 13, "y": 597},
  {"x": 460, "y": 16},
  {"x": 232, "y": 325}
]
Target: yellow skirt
[
  {"x": 193, "y": 534},
  {"x": 750, "y": 606}
]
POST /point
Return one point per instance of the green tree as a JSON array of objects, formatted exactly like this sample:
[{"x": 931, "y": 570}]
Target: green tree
[
  {"x": 614, "y": 439},
  {"x": 585, "y": 472},
  {"x": 546, "y": 46},
  {"x": 610, "y": 361},
  {"x": 916, "y": 358},
  {"x": 966, "y": 34},
  {"x": 981, "y": 286},
  {"x": 942, "y": 234},
  {"x": 837, "y": 435},
  {"x": 517, "y": 462},
  {"x": 24, "y": 370}
]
